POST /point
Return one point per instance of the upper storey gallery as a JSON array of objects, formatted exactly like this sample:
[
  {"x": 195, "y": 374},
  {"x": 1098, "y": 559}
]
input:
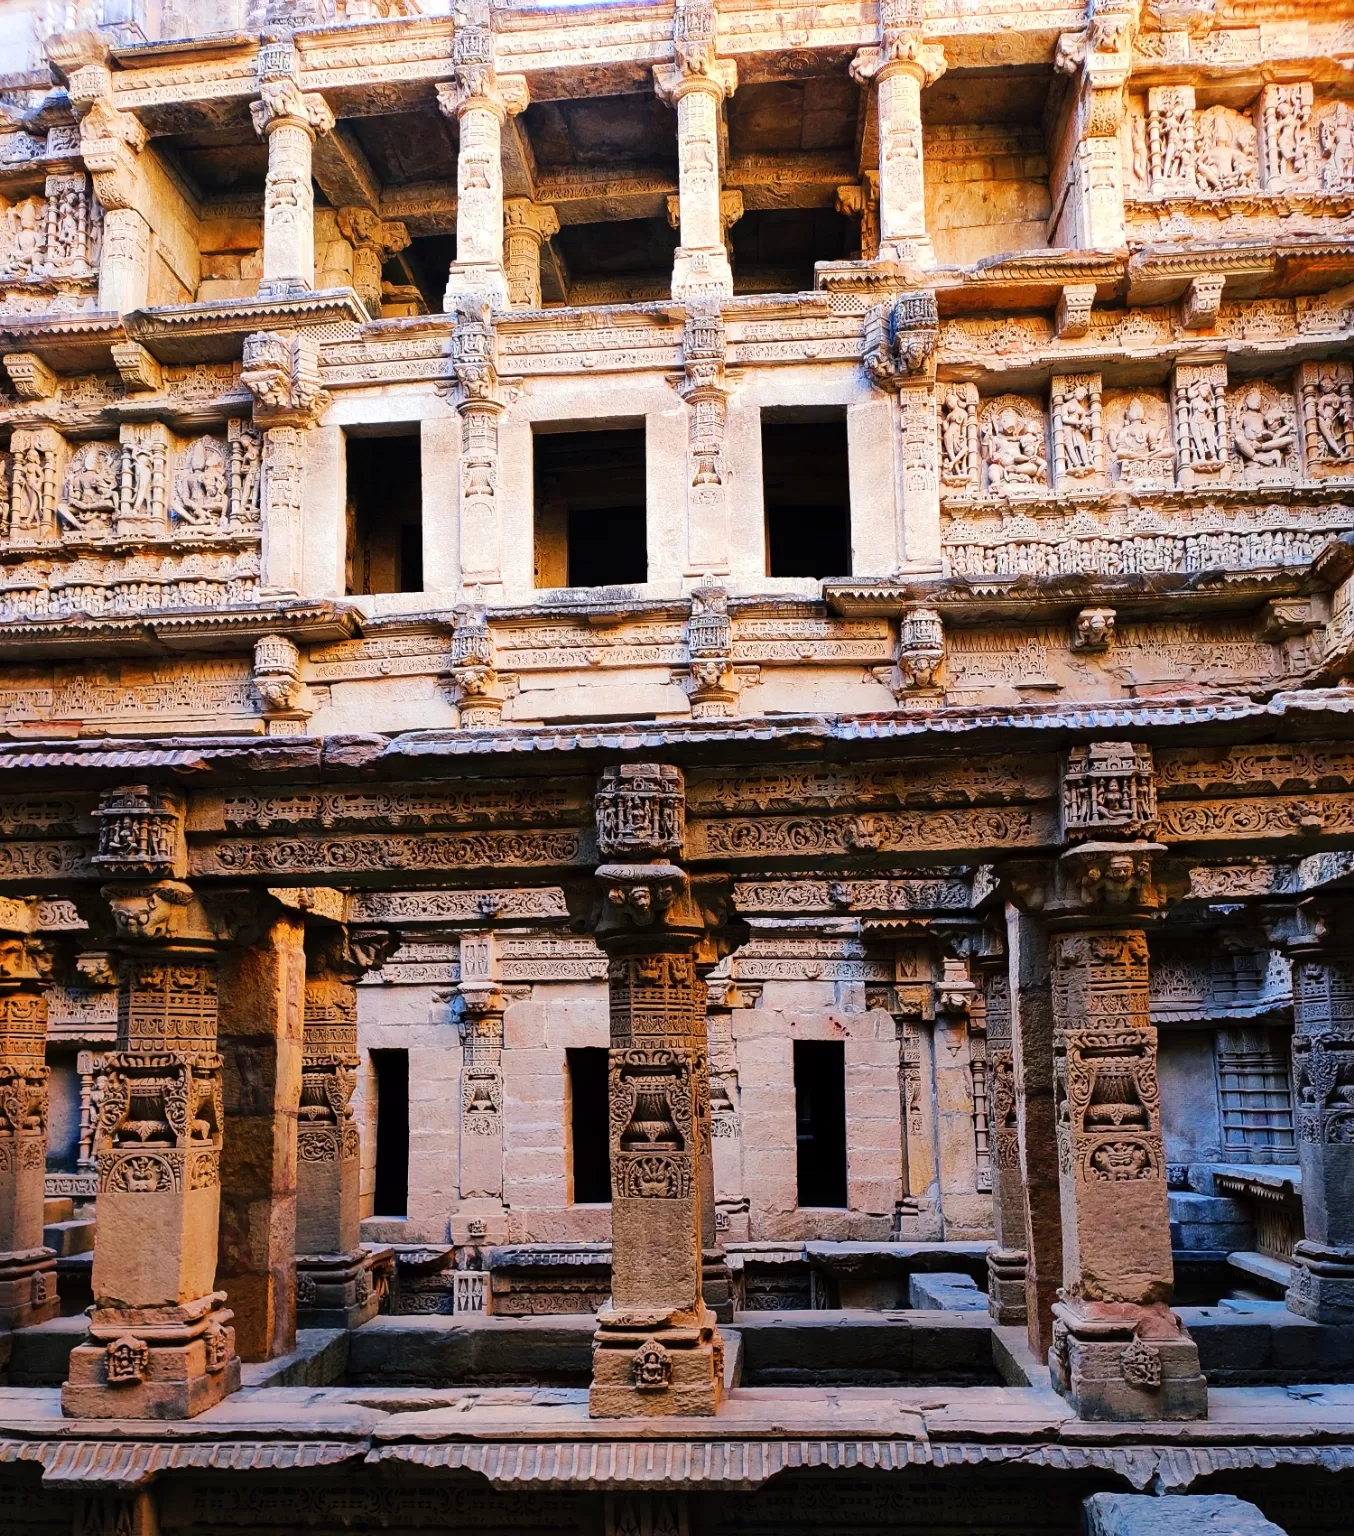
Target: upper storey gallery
[
  {"x": 1021, "y": 288},
  {"x": 227, "y": 149}
]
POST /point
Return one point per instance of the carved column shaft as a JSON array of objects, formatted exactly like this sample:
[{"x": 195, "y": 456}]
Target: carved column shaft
[
  {"x": 333, "y": 1286},
  {"x": 159, "y": 1343},
  {"x": 1322, "y": 1287},
  {"x": 27, "y": 1268},
  {"x": 697, "y": 85},
  {"x": 124, "y": 264},
  {"x": 901, "y": 67},
  {"x": 526, "y": 228},
  {"x": 658, "y": 1349},
  {"x": 1006, "y": 1260},
  {"x": 290, "y": 121}
]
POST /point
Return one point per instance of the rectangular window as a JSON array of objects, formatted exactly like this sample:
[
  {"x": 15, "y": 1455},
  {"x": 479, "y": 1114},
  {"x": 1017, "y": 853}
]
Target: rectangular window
[
  {"x": 391, "y": 1070},
  {"x": 589, "y": 1126},
  {"x": 384, "y": 549},
  {"x": 820, "y": 1122},
  {"x": 807, "y": 493},
  {"x": 590, "y": 508}
]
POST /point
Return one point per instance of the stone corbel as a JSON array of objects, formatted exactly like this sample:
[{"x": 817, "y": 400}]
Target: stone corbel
[
  {"x": 478, "y": 691},
  {"x": 139, "y": 369},
  {"x": 277, "y": 681},
  {"x": 282, "y": 103},
  {"x": 1202, "y": 300},
  {"x": 919, "y": 675},
  {"x": 31, "y": 377},
  {"x": 672, "y": 82},
  {"x": 1073, "y": 318},
  {"x": 1094, "y": 630},
  {"x": 281, "y": 370},
  {"x": 900, "y": 340},
  {"x": 503, "y": 95}
]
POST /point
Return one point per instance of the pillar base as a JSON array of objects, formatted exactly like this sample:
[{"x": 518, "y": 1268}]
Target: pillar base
[
  {"x": 153, "y": 1362},
  {"x": 702, "y": 272},
  {"x": 1121, "y": 1363},
  {"x": 1322, "y": 1287},
  {"x": 1006, "y": 1286},
  {"x": 476, "y": 277},
  {"x": 285, "y": 288},
  {"x": 912, "y": 251},
  {"x": 717, "y": 1284},
  {"x": 334, "y": 1290},
  {"x": 646, "y": 1366},
  {"x": 28, "y": 1287}
]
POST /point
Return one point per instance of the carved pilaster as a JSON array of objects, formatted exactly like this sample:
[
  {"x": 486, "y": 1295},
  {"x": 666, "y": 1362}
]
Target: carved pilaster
[
  {"x": 290, "y": 121},
  {"x": 110, "y": 144},
  {"x": 704, "y": 386},
  {"x": 658, "y": 1347},
  {"x": 1322, "y": 952},
  {"x": 1006, "y": 1259},
  {"x": 481, "y": 1004},
  {"x": 481, "y": 100},
  {"x": 480, "y": 400},
  {"x": 901, "y": 66},
  {"x": 1100, "y": 59},
  {"x": 333, "y": 1286},
  {"x": 713, "y": 682},
  {"x": 697, "y": 83},
  {"x": 374, "y": 242},
  {"x": 474, "y": 676},
  {"x": 899, "y": 357},
  {"x": 1119, "y": 1351},
  {"x": 27, "y": 1268},
  {"x": 160, "y": 1343},
  {"x": 281, "y": 371}
]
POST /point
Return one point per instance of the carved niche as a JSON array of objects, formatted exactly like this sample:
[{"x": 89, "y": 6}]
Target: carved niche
[
  {"x": 641, "y": 810},
  {"x": 1287, "y": 156},
  {"x": 1201, "y": 424},
  {"x": 1109, "y": 790},
  {"x": 57, "y": 235},
  {"x": 1078, "y": 434},
  {"x": 1012, "y": 436},
  {"x": 1138, "y": 438},
  {"x": 1325, "y": 392},
  {"x": 1170, "y": 139},
  {"x": 1264, "y": 432},
  {"x": 960, "y": 464}
]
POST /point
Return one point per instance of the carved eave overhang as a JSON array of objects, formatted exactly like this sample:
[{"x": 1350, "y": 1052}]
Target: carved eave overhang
[
  {"x": 218, "y": 633},
  {"x": 1033, "y": 281},
  {"x": 215, "y": 332},
  {"x": 1160, "y": 272},
  {"x": 970, "y": 602},
  {"x": 67, "y": 343}
]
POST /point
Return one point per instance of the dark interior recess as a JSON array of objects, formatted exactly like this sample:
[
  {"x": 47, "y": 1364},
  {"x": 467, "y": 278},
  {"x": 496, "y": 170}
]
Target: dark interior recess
[
  {"x": 391, "y": 1069},
  {"x": 775, "y": 249},
  {"x": 590, "y": 508},
  {"x": 806, "y": 489},
  {"x": 820, "y": 1123},
  {"x": 424, "y": 262},
  {"x": 589, "y": 1124},
  {"x": 384, "y": 551}
]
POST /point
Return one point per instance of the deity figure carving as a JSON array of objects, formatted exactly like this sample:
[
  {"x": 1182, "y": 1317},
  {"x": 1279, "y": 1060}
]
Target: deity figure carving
[
  {"x": 1139, "y": 161},
  {"x": 1226, "y": 154},
  {"x": 1335, "y": 138},
  {"x": 1263, "y": 432},
  {"x": 23, "y": 237},
  {"x": 1076, "y": 426},
  {"x": 1140, "y": 449},
  {"x": 1201, "y": 430},
  {"x": 1170, "y": 136},
  {"x": 200, "y": 487},
  {"x": 959, "y": 436},
  {"x": 1013, "y": 451},
  {"x": 91, "y": 487},
  {"x": 1326, "y": 399},
  {"x": 1291, "y": 139}
]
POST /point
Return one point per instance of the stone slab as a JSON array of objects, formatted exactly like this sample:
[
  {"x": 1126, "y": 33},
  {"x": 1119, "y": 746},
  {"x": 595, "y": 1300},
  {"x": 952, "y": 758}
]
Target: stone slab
[
  {"x": 945, "y": 1292},
  {"x": 320, "y": 1359},
  {"x": 443, "y": 1351},
  {"x": 41, "y": 1355},
  {"x": 1200, "y": 1514}
]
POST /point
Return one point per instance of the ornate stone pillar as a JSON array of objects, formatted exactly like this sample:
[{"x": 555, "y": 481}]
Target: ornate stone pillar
[
  {"x": 1322, "y": 1287},
  {"x": 480, "y": 402},
  {"x": 696, "y": 84},
  {"x": 110, "y": 144},
  {"x": 899, "y": 358},
  {"x": 1006, "y": 1259},
  {"x": 901, "y": 66},
  {"x": 374, "y": 242},
  {"x": 160, "y": 1344},
  {"x": 27, "y": 1269},
  {"x": 1100, "y": 60},
  {"x": 290, "y": 121},
  {"x": 1119, "y": 1351},
  {"x": 281, "y": 369},
  {"x": 333, "y": 1285},
  {"x": 526, "y": 228},
  {"x": 704, "y": 387},
  {"x": 481, "y": 100},
  {"x": 482, "y": 1008},
  {"x": 658, "y": 1348}
]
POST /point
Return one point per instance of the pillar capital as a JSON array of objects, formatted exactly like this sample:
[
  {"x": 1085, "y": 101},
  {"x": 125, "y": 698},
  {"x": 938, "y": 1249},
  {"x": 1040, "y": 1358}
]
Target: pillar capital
[
  {"x": 719, "y": 80},
  {"x": 502, "y": 96}
]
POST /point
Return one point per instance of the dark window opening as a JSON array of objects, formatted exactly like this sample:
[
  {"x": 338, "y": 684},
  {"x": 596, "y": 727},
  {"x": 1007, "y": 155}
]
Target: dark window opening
[
  {"x": 589, "y": 1125},
  {"x": 391, "y": 1070},
  {"x": 384, "y": 550},
  {"x": 820, "y": 1122},
  {"x": 806, "y": 487},
  {"x": 414, "y": 282},
  {"x": 775, "y": 249},
  {"x": 590, "y": 508}
]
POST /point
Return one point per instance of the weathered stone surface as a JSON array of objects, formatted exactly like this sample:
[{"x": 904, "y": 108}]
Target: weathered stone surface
[{"x": 1207, "y": 1514}]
